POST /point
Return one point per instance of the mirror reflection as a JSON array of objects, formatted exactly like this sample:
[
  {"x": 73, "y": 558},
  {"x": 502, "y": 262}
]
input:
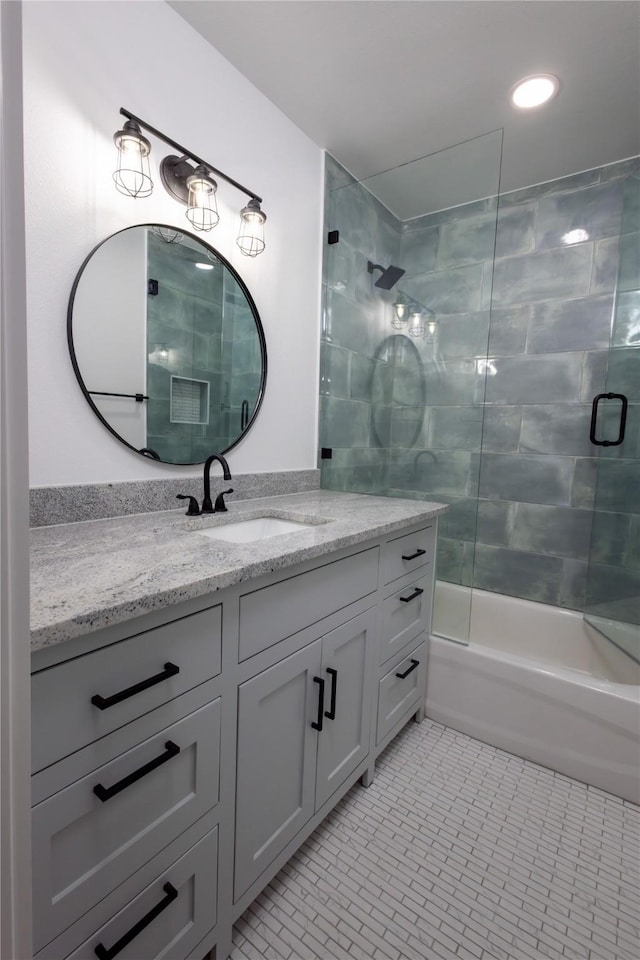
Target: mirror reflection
[{"x": 167, "y": 344}]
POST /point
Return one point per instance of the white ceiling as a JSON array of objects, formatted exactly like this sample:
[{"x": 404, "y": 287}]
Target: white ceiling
[{"x": 379, "y": 83}]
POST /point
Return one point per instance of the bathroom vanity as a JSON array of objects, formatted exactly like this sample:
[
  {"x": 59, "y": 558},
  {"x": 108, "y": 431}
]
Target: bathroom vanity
[{"x": 200, "y": 705}]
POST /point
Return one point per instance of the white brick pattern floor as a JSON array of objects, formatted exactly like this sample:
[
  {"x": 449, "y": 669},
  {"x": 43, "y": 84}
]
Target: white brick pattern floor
[{"x": 457, "y": 851}]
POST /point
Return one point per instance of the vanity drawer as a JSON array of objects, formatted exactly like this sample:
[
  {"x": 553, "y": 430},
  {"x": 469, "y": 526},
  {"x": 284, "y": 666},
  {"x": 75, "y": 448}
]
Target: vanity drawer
[
  {"x": 405, "y": 614},
  {"x": 399, "y": 695},
  {"x": 407, "y": 553},
  {"x": 131, "y": 677},
  {"x": 180, "y": 907},
  {"x": 96, "y": 832},
  {"x": 273, "y": 613}
]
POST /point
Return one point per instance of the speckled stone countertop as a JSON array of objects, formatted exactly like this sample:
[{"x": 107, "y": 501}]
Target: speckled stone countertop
[{"x": 90, "y": 575}]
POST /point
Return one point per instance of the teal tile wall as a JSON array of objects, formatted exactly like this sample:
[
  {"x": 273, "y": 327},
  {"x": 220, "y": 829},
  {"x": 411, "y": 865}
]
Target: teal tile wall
[
  {"x": 184, "y": 316},
  {"x": 520, "y": 349},
  {"x": 551, "y": 315}
]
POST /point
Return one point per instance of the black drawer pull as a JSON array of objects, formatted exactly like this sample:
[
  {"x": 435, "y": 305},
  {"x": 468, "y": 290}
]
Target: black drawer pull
[
  {"x": 414, "y": 664},
  {"x": 104, "y": 953},
  {"x": 105, "y": 793},
  {"x": 102, "y": 703},
  {"x": 330, "y": 714},
  {"x": 317, "y": 724},
  {"x": 412, "y": 596},
  {"x": 412, "y": 556}
]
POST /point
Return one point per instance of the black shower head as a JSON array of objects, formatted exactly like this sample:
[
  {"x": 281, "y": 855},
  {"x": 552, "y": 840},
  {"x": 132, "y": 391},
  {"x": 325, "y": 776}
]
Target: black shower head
[{"x": 388, "y": 277}]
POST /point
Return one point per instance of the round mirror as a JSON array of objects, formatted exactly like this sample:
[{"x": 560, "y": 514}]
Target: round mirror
[
  {"x": 398, "y": 393},
  {"x": 167, "y": 344}
]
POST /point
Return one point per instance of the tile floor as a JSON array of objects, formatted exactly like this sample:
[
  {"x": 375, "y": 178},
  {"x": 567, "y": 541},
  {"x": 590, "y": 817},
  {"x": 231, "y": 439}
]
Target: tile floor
[{"x": 457, "y": 850}]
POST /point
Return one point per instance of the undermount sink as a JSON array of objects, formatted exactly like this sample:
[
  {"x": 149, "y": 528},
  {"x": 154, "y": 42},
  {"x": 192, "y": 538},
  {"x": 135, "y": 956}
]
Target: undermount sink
[{"x": 259, "y": 528}]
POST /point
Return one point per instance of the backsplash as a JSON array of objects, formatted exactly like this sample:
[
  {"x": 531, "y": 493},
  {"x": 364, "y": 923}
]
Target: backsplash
[{"x": 96, "y": 501}]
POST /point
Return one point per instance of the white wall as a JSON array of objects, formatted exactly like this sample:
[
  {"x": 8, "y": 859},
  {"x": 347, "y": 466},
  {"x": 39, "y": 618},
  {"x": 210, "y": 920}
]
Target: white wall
[
  {"x": 15, "y": 699},
  {"x": 110, "y": 331},
  {"x": 83, "y": 61}
]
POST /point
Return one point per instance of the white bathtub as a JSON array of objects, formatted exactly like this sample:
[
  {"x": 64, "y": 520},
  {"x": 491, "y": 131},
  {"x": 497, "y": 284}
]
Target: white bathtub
[{"x": 541, "y": 683}]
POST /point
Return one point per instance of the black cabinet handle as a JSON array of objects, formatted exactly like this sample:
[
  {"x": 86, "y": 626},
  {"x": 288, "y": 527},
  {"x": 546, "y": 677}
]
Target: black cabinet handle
[
  {"x": 102, "y": 703},
  {"x": 414, "y": 664},
  {"x": 412, "y": 596},
  {"x": 317, "y": 724},
  {"x": 412, "y": 556},
  {"x": 330, "y": 714},
  {"x": 105, "y": 793},
  {"x": 594, "y": 416},
  {"x": 104, "y": 953}
]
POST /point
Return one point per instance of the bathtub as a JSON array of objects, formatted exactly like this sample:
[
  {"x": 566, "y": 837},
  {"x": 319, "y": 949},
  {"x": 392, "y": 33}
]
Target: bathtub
[{"x": 541, "y": 683}]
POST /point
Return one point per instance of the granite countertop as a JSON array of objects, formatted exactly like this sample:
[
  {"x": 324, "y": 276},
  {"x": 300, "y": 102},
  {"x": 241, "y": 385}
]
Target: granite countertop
[{"x": 93, "y": 574}]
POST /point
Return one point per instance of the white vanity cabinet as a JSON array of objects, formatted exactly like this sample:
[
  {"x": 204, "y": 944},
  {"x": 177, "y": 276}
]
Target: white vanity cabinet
[
  {"x": 180, "y": 759},
  {"x": 303, "y": 727}
]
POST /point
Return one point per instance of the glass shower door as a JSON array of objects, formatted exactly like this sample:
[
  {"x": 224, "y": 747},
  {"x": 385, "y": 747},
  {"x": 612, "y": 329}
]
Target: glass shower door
[
  {"x": 613, "y": 575},
  {"x": 408, "y": 272}
]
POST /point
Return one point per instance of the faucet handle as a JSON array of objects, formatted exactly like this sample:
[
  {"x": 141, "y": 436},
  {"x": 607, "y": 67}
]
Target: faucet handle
[
  {"x": 220, "y": 505},
  {"x": 194, "y": 509}
]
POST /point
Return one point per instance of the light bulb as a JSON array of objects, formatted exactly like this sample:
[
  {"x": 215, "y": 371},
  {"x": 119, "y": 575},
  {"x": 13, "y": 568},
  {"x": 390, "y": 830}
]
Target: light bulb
[
  {"x": 202, "y": 209},
  {"x": 250, "y": 237},
  {"x": 131, "y": 176}
]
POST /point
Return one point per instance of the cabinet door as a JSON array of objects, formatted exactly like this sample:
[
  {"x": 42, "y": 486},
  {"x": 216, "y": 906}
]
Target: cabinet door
[
  {"x": 344, "y": 739},
  {"x": 276, "y": 760}
]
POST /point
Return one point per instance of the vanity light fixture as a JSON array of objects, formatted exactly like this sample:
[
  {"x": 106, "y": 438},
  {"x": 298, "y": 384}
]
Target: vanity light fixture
[
  {"x": 189, "y": 180},
  {"x": 250, "y": 237},
  {"x": 132, "y": 176},
  {"x": 167, "y": 235},
  {"x": 413, "y": 317},
  {"x": 534, "y": 91},
  {"x": 202, "y": 208}
]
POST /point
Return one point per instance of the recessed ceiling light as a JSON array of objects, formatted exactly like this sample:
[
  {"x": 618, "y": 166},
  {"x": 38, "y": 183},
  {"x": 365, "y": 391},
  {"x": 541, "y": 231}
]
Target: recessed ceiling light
[
  {"x": 203, "y": 266},
  {"x": 534, "y": 91}
]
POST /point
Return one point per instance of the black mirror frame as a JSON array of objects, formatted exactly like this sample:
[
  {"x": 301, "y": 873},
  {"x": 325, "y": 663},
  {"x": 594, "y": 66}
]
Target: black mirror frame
[
  {"x": 256, "y": 317},
  {"x": 382, "y": 346}
]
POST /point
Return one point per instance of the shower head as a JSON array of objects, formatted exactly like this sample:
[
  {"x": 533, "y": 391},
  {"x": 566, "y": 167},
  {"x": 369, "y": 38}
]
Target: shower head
[{"x": 388, "y": 277}]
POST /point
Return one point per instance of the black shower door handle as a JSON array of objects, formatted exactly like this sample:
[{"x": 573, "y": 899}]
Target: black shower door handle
[{"x": 594, "y": 416}]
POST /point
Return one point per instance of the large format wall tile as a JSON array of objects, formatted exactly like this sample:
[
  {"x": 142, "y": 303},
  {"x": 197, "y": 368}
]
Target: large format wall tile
[
  {"x": 455, "y": 428},
  {"x": 604, "y": 273},
  {"x": 556, "y": 531},
  {"x": 458, "y": 382},
  {"x": 516, "y": 230},
  {"x": 343, "y": 423},
  {"x": 626, "y": 321},
  {"x": 419, "y": 250},
  {"x": 463, "y": 335},
  {"x": 508, "y": 330},
  {"x": 596, "y": 210},
  {"x": 539, "y": 190},
  {"x": 629, "y": 266},
  {"x": 449, "y": 291},
  {"x": 526, "y": 575},
  {"x": 529, "y": 479},
  {"x": 466, "y": 241},
  {"x": 558, "y": 326},
  {"x": 501, "y": 429},
  {"x": 496, "y": 522},
  {"x": 556, "y": 428},
  {"x": 554, "y": 378},
  {"x": 543, "y": 276},
  {"x": 334, "y": 371},
  {"x": 610, "y": 538}
]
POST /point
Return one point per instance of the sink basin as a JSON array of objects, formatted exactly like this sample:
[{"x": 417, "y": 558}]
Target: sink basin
[{"x": 259, "y": 528}]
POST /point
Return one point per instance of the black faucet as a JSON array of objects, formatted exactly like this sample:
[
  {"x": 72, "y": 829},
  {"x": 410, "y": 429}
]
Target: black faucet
[{"x": 207, "y": 506}]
